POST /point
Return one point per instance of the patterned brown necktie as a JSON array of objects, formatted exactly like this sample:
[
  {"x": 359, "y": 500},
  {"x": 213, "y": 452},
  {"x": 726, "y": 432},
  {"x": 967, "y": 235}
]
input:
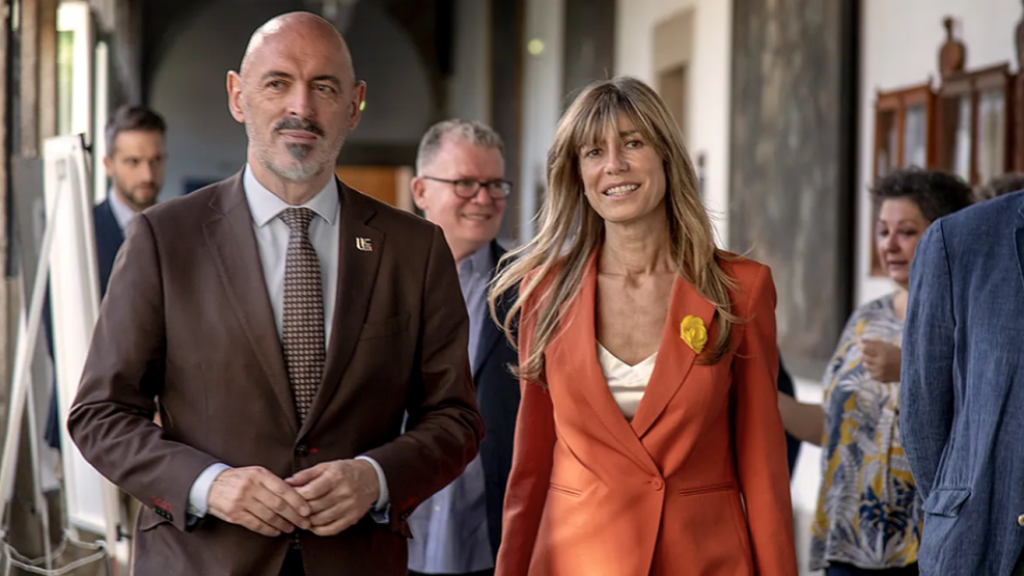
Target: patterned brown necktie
[{"x": 303, "y": 339}]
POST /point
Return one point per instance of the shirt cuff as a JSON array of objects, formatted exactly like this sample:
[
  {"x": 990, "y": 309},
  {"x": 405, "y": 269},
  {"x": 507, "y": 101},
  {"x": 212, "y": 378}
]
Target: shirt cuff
[
  {"x": 198, "y": 497},
  {"x": 379, "y": 512}
]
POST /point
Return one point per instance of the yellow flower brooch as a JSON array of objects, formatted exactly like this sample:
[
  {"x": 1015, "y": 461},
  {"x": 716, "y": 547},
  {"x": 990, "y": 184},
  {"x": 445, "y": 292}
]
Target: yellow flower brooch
[{"x": 693, "y": 332}]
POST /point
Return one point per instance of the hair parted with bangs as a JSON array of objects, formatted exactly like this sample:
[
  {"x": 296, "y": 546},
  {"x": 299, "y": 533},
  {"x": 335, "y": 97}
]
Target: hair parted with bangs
[{"x": 549, "y": 269}]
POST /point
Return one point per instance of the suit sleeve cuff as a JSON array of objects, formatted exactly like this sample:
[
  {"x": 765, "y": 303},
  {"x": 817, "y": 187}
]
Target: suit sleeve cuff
[
  {"x": 198, "y": 497},
  {"x": 380, "y": 509}
]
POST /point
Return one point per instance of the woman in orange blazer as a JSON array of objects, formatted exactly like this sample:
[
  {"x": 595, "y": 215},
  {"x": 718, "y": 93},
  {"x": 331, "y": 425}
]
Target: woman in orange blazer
[{"x": 648, "y": 440}]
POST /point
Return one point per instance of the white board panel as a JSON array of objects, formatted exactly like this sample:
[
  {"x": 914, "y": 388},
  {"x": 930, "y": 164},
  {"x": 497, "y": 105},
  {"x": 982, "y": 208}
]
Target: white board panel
[{"x": 74, "y": 294}]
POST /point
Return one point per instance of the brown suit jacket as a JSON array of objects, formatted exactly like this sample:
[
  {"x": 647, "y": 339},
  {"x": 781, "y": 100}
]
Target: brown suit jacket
[{"x": 187, "y": 319}]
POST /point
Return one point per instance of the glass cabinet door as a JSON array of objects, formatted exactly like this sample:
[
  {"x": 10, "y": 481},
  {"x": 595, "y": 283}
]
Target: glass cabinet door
[
  {"x": 991, "y": 134},
  {"x": 915, "y": 136},
  {"x": 886, "y": 154},
  {"x": 956, "y": 135}
]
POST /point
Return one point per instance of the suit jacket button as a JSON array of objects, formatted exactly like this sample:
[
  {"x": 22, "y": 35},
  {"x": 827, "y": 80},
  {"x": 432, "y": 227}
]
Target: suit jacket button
[
  {"x": 1020, "y": 519},
  {"x": 302, "y": 450},
  {"x": 657, "y": 484}
]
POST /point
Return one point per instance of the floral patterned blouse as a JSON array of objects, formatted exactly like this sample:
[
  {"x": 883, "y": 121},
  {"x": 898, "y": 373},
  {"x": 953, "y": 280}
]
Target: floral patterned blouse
[{"x": 868, "y": 514}]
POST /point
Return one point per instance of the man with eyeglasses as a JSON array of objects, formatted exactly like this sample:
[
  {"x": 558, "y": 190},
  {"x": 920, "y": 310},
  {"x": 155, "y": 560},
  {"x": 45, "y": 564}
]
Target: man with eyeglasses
[{"x": 460, "y": 187}]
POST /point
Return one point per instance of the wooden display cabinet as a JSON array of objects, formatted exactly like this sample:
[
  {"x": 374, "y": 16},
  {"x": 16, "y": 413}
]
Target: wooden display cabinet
[
  {"x": 975, "y": 124},
  {"x": 904, "y": 121}
]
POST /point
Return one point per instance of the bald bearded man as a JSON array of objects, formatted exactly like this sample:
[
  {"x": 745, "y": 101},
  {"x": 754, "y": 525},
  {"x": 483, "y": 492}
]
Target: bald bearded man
[{"x": 285, "y": 322}]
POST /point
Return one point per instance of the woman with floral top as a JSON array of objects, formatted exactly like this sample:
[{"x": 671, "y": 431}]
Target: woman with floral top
[{"x": 868, "y": 519}]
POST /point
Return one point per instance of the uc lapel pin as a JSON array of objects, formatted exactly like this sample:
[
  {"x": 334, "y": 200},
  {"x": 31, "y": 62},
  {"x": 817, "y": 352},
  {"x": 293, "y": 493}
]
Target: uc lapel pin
[{"x": 364, "y": 244}]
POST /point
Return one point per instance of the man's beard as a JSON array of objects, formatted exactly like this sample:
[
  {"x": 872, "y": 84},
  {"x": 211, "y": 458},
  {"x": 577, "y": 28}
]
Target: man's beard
[
  {"x": 131, "y": 196},
  {"x": 307, "y": 164},
  {"x": 298, "y": 171}
]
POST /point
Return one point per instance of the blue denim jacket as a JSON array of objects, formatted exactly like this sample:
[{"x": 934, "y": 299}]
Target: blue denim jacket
[{"x": 962, "y": 405}]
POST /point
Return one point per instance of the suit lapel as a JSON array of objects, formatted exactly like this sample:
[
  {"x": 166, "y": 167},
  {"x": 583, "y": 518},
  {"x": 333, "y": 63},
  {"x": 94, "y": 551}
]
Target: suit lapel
[
  {"x": 489, "y": 337},
  {"x": 675, "y": 357},
  {"x": 109, "y": 223},
  {"x": 358, "y": 261},
  {"x": 490, "y": 333},
  {"x": 109, "y": 238},
  {"x": 575, "y": 350},
  {"x": 233, "y": 246},
  {"x": 1019, "y": 237}
]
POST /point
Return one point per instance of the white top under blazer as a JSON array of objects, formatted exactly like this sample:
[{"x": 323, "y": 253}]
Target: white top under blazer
[{"x": 627, "y": 383}]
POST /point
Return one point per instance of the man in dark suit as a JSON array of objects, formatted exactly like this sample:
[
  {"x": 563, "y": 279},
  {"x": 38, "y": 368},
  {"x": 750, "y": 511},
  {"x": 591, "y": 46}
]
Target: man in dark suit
[
  {"x": 460, "y": 186},
  {"x": 962, "y": 389},
  {"x": 135, "y": 163},
  {"x": 287, "y": 324}
]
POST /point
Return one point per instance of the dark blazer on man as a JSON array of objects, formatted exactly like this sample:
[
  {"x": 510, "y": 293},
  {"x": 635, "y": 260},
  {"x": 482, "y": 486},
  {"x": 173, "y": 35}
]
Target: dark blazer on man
[
  {"x": 189, "y": 321},
  {"x": 497, "y": 392},
  {"x": 962, "y": 389},
  {"x": 109, "y": 238}
]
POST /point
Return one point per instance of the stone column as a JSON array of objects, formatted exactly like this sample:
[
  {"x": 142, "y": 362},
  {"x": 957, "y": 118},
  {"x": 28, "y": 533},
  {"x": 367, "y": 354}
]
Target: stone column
[{"x": 792, "y": 167}]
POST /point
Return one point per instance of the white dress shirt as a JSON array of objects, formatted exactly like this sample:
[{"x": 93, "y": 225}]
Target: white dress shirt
[{"x": 272, "y": 241}]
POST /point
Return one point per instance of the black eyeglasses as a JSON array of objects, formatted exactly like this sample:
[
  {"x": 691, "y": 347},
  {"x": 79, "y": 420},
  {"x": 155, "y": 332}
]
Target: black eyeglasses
[{"x": 468, "y": 188}]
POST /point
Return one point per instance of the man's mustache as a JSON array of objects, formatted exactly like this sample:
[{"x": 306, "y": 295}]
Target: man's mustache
[{"x": 299, "y": 124}]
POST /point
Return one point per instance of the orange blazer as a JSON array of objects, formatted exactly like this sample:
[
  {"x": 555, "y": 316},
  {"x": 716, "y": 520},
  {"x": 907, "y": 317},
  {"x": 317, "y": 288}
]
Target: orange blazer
[{"x": 697, "y": 484}]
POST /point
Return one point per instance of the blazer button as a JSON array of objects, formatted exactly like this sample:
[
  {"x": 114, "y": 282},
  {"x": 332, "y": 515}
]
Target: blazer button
[
  {"x": 1020, "y": 519},
  {"x": 657, "y": 484},
  {"x": 302, "y": 450}
]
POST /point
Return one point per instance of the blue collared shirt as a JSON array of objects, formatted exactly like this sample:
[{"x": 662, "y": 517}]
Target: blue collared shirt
[
  {"x": 449, "y": 530},
  {"x": 123, "y": 213}
]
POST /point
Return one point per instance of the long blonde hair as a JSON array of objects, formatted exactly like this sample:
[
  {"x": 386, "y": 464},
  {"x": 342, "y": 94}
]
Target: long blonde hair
[{"x": 570, "y": 230}]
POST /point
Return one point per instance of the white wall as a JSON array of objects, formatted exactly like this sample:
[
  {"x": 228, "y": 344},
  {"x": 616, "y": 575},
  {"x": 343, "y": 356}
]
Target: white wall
[
  {"x": 891, "y": 59},
  {"x": 708, "y": 83},
  {"x": 806, "y": 481},
  {"x": 188, "y": 87}
]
